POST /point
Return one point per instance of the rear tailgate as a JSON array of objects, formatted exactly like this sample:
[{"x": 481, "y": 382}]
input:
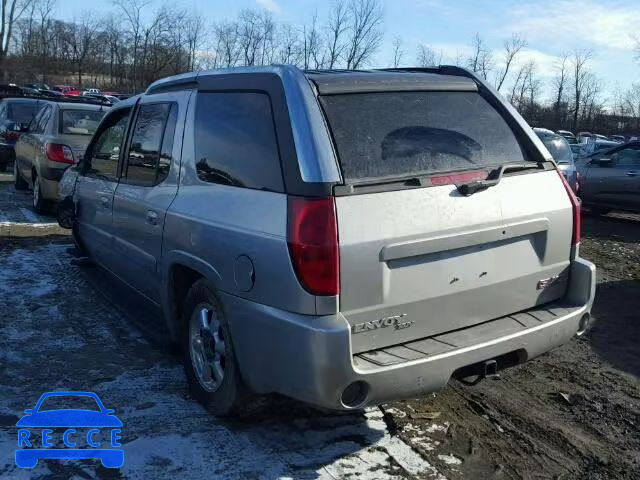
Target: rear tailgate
[{"x": 416, "y": 262}]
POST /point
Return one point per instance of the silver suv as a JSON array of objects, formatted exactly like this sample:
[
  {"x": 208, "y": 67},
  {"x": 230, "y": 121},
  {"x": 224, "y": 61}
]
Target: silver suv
[{"x": 340, "y": 237}]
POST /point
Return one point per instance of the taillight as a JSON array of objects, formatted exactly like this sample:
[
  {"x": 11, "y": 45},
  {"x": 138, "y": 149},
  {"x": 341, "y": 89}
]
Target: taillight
[
  {"x": 12, "y": 136},
  {"x": 313, "y": 244},
  {"x": 59, "y": 153},
  {"x": 575, "y": 204}
]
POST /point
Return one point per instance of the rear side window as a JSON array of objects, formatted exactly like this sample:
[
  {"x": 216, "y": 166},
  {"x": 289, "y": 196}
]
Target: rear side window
[
  {"x": 144, "y": 153},
  {"x": 399, "y": 134},
  {"x": 236, "y": 141}
]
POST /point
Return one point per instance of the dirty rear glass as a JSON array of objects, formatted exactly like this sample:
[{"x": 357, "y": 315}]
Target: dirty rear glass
[{"x": 400, "y": 134}]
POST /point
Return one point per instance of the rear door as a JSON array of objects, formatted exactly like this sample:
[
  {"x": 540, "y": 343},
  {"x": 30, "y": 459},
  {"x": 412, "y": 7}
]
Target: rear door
[
  {"x": 146, "y": 189},
  {"x": 418, "y": 258},
  {"x": 614, "y": 182},
  {"x": 97, "y": 183}
]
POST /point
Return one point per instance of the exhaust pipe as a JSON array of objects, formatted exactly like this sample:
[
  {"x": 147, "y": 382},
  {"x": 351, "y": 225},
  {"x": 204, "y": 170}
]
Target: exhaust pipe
[{"x": 583, "y": 325}]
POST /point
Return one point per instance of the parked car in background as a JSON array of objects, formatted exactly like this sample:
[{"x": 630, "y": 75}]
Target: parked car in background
[
  {"x": 73, "y": 93},
  {"x": 578, "y": 150},
  {"x": 63, "y": 88},
  {"x": 610, "y": 179},
  {"x": 584, "y": 137},
  {"x": 595, "y": 146},
  {"x": 571, "y": 138},
  {"x": 340, "y": 279},
  {"x": 57, "y": 138},
  {"x": 562, "y": 154},
  {"x": 108, "y": 99},
  {"x": 618, "y": 138},
  {"x": 38, "y": 86},
  {"x": 95, "y": 91},
  {"x": 52, "y": 93},
  {"x": 15, "y": 116}
]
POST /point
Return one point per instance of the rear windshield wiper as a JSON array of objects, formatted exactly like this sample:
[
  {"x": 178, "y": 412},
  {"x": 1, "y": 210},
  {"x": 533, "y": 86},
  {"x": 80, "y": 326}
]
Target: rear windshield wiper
[{"x": 494, "y": 177}]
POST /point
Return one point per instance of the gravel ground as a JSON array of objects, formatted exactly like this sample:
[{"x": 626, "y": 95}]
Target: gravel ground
[{"x": 573, "y": 413}]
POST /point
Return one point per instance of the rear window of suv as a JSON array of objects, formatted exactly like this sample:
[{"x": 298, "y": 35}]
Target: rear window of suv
[{"x": 400, "y": 134}]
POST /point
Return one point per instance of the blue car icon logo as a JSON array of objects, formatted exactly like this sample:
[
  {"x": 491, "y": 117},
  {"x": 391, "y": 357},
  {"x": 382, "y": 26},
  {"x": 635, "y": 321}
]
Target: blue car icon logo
[{"x": 33, "y": 446}]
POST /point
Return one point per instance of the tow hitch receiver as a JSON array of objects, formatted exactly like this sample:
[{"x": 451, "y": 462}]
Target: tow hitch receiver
[{"x": 491, "y": 370}]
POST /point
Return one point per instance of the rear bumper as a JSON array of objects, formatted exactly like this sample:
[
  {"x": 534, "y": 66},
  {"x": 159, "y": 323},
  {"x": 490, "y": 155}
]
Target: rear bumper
[{"x": 310, "y": 359}]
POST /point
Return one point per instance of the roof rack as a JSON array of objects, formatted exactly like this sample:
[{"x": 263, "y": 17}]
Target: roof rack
[{"x": 57, "y": 99}]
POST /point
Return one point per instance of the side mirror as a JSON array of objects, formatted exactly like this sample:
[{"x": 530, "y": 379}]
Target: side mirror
[{"x": 30, "y": 410}]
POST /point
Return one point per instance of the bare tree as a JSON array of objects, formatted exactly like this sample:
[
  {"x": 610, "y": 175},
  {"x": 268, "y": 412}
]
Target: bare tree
[
  {"x": 579, "y": 67},
  {"x": 426, "y": 57},
  {"x": 80, "y": 39},
  {"x": 512, "y": 48},
  {"x": 194, "y": 27},
  {"x": 398, "y": 52},
  {"x": 10, "y": 13},
  {"x": 560, "y": 81},
  {"x": 132, "y": 13},
  {"x": 481, "y": 60},
  {"x": 337, "y": 28},
  {"x": 365, "y": 32},
  {"x": 313, "y": 56}
]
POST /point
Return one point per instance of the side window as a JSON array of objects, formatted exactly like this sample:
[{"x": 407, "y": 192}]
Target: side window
[
  {"x": 33, "y": 125},
  {"x": 44, "y": 119},
  {"x": 236, "y": 141},
  {"x": 102, "y": 158},
  {"x": 146, "y": 144},
  {"x": 628, "y": 157}
]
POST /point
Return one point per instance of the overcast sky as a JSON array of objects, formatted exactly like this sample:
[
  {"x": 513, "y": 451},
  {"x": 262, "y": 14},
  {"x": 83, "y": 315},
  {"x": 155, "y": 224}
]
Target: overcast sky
[{"x": 549, "y": 26}]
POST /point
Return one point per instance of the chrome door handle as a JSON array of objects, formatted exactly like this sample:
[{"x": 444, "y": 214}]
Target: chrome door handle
[
  {"x": 632, "y": 173},
  {"x": 152, "y": 217}
]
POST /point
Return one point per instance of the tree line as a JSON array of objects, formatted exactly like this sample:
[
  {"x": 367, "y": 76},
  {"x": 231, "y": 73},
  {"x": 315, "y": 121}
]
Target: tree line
[{"x": 137, "y": 42}]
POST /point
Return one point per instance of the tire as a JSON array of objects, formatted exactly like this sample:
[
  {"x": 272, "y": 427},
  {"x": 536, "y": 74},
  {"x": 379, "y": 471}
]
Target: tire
[
  {"x": 18, "y": 181},
  {"x": 208, "y": 350},
  {"x": 39, "y": 203}
]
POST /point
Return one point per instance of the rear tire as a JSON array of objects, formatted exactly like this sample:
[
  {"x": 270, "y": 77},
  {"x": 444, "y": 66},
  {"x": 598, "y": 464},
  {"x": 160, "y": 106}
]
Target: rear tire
[
  {"x": 18, "y": 181},
  {"x": 39, "y": 203},
  {"x": 209, "y": 357}
]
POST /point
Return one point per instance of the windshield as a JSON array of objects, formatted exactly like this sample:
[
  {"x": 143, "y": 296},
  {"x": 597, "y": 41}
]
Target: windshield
[
  {"x": 398, "y": 134},
  {"x": 558, "y": 148},
  {"x": 80, "y": 122},
  {"x": 22, "y": 112}
]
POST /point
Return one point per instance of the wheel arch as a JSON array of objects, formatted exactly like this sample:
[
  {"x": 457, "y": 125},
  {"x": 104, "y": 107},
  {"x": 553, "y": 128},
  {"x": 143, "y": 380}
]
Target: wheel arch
[{"x": 181, "y": 271}]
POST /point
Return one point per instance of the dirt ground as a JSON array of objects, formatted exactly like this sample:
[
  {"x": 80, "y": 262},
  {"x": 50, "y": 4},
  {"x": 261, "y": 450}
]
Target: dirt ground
[{"x": 572, "y": 413}]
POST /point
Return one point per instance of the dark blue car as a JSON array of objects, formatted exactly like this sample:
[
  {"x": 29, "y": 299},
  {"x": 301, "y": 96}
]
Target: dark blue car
[
  {"x": 15, "y": 115},
  {"x": 69, "y": 417}
]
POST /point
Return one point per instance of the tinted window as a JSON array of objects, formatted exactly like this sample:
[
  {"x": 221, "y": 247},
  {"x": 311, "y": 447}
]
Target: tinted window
[
  {"x": 166, "y": 153},
  {"x": 103, "y": 159},
  {"x": 396, "y": 134},
  {"x": 628, "y": 157},
  {"x": 146, "y": 141},
  {"x": 80, "y": 122},
  {"x": 236, "y": 141},
  {"x": 22, "y": 112}
]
